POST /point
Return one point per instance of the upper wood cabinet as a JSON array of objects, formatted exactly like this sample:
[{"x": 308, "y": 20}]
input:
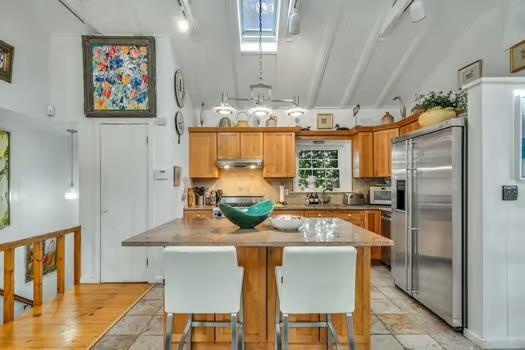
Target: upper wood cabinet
[
  {"x": 409, "y": 128},
  {"x": 239, "y": 145},
  {"x": 279, "y": 154},
  {"x": 228, "y": 145},
  {"x": 252, "y": 145},
  {"x": 383, "y": 151},
  {"x": 363, "y": 154},
  {"x": 203, "y": 155}
]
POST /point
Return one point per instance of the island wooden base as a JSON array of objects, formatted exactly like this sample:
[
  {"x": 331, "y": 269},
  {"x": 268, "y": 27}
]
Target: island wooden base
[{"x": 259, "y": 308}]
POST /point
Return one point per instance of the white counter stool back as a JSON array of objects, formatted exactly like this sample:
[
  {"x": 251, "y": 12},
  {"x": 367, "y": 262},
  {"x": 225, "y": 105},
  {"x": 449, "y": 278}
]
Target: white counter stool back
[
  {"x": 203, "y": 280},
  {"x": 315, "y": 280}
]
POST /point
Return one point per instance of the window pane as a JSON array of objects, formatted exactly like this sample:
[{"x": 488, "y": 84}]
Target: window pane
[
  {"x": 332, "y": 154},
  {"x": 317, "y": 163},
  {"x": 319, "y": 173},
  {"x": 330, "y": 163},
  {"x": 303, "y": 173},
  {"x": 305, "y": 154},
  {"x": 250, "y": 16},
  {"x": 303, "y": 163}
]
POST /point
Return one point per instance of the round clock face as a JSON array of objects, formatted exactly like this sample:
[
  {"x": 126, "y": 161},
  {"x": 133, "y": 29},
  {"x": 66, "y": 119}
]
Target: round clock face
[
  {"x": 179, "y": 123},
  {"x": 179, "y": 88}
]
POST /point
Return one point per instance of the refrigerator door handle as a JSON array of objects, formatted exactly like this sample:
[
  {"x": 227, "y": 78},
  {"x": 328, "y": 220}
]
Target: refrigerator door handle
[{"x": 414, "y": 233}]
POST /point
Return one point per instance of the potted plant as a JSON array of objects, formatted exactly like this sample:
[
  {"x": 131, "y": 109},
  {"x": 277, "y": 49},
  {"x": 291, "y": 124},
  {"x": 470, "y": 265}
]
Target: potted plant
[{"x": 438, "y": 106}]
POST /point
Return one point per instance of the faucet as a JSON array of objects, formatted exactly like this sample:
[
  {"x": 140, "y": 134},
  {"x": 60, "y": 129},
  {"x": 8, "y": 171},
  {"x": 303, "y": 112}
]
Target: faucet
[{"x": 329, "y": 187}]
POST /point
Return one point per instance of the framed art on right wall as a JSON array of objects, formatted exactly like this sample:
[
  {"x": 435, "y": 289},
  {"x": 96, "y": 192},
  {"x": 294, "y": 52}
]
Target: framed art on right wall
[{"x": 517, "y": 57}]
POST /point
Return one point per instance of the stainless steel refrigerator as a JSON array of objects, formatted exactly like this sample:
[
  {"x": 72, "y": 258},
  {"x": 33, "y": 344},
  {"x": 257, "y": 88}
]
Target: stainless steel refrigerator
[{"x": 428, "y": 218}]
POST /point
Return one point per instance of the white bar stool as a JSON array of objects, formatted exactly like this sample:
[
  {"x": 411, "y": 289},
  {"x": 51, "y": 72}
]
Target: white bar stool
[
  {"x": 315, "y": 280},
  {"x": 203, "y": 280}
]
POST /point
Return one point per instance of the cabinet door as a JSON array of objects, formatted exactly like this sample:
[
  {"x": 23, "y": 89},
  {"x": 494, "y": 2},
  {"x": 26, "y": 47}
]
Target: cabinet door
[
  {"x": 355, "y": 217},
  {"x": 228, "y": 145},
  {"x": 279, "y": 154},
  {"x": 373, "y": 223},
  {"x": 363, "y": 154},
  {"x": 320, "y": 214},
  {"x": 203, "y": 155},
  {"x": 383, "y": 151},
  {"x": 409, "y": 128},
  {"x": 251, "y": 145},
  {"x": 254, "y": 293}
]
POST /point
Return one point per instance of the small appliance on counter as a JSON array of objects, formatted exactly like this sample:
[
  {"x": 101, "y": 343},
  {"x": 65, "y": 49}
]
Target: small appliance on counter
[
  {"x": 354, "y": 198},
  {"x": 380, "y": 195}
]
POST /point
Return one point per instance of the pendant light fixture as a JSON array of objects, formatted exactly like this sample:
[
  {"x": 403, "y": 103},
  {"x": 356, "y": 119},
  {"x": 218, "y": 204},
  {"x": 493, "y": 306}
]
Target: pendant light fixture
[
  {"x": 260, "y": 93},
  {"x": 224, "y": 108},
  {"x": 71, "y": 193},
  {"x": 296, "y": 111}
]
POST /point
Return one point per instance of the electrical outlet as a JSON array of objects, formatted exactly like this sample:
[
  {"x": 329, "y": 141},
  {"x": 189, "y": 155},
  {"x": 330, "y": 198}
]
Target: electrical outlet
[{"x": 510, "y": 193}]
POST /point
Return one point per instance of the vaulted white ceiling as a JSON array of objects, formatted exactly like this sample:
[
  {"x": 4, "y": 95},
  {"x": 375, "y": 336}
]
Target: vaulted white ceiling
[{"x": 337, "y": 60}]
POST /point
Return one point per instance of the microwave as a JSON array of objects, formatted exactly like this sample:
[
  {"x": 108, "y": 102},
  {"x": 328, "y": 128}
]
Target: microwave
[{"x": 380, "y": 195}]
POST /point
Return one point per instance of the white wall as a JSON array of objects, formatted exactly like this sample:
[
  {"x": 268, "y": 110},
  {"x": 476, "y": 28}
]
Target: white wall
[
  {"x": 343, "y": 117},
  {"x": 66, "y": 93},
  {"x": 39, "y": 146},
  {"x": 489, "y": 39},
  {"x": 496, "y": 282},
  {"x": 39, "y": 177}
]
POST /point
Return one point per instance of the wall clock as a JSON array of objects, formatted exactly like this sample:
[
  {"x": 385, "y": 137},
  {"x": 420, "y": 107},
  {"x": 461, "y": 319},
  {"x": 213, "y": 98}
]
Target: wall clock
[
  {"x": 179, "y": 125},
  {"x": 179, "y": 88}
]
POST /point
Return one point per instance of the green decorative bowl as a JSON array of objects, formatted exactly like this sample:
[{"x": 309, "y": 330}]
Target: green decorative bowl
[{"x": 247, "y": 218}]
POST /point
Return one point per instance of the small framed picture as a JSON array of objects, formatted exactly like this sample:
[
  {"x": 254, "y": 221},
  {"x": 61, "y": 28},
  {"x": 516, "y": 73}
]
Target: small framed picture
[
  {"x": 469, "y": 73},
  {"x": 517, "y": 57},
  {"x": 6, "y": 61},
  {"x": 325, "y": 121}
]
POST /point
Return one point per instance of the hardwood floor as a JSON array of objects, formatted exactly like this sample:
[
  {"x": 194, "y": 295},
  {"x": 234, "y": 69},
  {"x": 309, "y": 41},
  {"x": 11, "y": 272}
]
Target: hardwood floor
[{"x": 75, "y": 320}]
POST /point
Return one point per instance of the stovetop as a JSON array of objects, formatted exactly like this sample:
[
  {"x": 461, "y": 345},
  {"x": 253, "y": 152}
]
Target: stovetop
[{"x": 241, "y": 201}]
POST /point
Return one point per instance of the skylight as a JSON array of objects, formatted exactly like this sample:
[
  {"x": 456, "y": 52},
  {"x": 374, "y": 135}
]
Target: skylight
[{"x": 249, "y": 25}]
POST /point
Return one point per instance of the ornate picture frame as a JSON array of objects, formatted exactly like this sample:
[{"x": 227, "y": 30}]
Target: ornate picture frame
[
  {"x": 7, "y": 53},
  {"x": 517, "y": 57},
  {"x": 119, "y": 76}
]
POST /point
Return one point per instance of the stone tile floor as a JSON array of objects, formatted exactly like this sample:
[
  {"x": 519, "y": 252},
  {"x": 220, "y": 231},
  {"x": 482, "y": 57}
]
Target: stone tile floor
[{"x": 398, "y": 322}]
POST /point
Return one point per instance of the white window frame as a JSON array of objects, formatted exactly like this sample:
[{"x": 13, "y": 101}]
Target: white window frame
[
  {"x": 249, "y": 42},
  {"x": 344, "y": 161}
]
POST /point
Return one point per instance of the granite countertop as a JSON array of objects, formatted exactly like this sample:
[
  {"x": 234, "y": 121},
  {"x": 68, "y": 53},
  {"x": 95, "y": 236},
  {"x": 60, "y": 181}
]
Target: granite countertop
[
  {"x": 309, "y": 207},
  {"x": 204, "y": 231}
]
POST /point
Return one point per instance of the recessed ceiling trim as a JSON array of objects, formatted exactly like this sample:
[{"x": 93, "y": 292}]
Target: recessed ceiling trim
[
  {"x": 362, "y": 65},
  {"x": 324, "y": 56}
]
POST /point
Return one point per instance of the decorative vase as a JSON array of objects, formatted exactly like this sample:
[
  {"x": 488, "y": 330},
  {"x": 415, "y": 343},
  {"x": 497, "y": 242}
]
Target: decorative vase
[{"x": 436, "y": 115}]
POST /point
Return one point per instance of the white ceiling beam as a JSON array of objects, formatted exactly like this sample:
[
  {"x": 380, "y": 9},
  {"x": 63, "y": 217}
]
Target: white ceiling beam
[
  {"x": 362, "y": 65},
  {"x": 233, "y": 46},
  {"x": 324, "y": 55},
  {"x": 414, "y": 44}
]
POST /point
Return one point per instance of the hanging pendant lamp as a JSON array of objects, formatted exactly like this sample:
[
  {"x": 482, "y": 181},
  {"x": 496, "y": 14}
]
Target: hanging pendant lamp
[{"x": 71, "y": 192}]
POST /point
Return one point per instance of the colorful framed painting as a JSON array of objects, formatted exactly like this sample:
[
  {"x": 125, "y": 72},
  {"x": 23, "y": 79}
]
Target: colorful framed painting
[
  {"x": 4, "y": 179},
  {"x": 119, "y": 76},
  {"x": 7, "y": 53},
  {"x": 517, "y": 57},
  {"x": 49, "y": 258}
]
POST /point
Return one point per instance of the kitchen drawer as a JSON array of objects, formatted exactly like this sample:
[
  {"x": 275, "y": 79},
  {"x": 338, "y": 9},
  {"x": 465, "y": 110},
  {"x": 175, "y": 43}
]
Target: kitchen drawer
[
  {"x": 288, "y": 212},
  {"x": 192, "y": 214},
  {"x": 353, "y": 215},
  {"x": 320, "y": 214}
]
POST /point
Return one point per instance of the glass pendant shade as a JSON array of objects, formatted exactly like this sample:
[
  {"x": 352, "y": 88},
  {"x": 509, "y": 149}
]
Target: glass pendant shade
[
  {"x": 71, "y": 193},
  {"x": 260, "y": 111},
  {"x": 296, "y": 111}
]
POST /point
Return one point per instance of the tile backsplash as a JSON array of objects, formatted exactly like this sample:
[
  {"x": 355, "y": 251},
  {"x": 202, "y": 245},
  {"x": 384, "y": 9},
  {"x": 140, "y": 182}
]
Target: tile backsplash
[{"x": 250, "y": 182}]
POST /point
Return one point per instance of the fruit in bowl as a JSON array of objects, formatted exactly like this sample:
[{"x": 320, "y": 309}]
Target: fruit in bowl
[{"x": 287, "y": 222}]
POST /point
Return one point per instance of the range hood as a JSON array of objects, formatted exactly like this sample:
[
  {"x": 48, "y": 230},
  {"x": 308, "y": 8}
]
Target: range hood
[{"x": 240, "y": 163}]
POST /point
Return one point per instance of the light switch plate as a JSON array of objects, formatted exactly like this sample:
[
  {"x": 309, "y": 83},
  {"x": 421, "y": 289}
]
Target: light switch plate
[
  {"x": 160, "y": 174},
  {"x": 510, "y": 193}
]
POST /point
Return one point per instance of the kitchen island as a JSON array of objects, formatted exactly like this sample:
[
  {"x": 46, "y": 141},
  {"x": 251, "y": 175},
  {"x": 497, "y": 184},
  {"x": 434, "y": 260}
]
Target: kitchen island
[{"x": 259, "y": 252}]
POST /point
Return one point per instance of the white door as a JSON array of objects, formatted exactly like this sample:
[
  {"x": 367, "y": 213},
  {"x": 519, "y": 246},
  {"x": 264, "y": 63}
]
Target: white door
[{"x": 123, "y": 201}]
